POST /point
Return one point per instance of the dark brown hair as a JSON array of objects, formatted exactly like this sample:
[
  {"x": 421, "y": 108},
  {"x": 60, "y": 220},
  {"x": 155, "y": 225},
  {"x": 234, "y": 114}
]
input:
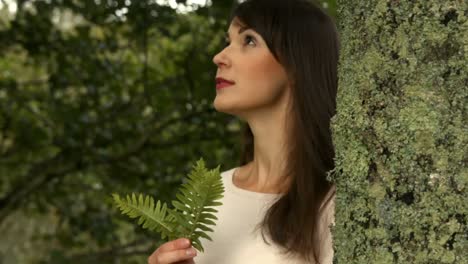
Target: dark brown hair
[{"x": 304, "y": 39}]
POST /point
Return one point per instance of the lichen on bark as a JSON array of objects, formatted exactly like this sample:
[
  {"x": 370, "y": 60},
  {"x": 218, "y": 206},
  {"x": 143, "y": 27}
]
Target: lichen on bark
[{"x": 401, "y": 132}]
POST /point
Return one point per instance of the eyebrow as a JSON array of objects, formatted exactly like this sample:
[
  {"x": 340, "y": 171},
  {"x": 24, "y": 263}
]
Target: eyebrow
[{"x": 241, "y": 29}]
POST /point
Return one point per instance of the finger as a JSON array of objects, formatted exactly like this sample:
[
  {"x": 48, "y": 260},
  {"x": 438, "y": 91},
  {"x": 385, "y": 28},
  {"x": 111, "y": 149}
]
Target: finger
[
  {"x": 181, "y": 243},
  {"x": 175, "y": 256}
]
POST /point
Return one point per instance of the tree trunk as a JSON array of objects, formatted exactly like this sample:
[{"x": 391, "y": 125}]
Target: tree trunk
[{"x": 401, "y": 132}]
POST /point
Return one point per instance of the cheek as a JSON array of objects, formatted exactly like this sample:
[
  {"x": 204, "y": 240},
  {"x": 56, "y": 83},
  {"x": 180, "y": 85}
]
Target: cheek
[
  {"x": 260, "y": 69},
  {"x": 264, "y": 77}
]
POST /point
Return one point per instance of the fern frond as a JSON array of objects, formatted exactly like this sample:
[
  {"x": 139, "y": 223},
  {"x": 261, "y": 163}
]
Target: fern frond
[
  {"x": 196, "y": 199},
  {"x": 153, "y": 217},
  {"x": 193, "y": 210}
]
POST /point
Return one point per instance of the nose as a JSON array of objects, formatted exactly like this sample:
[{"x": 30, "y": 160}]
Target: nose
[{"x": 221, "y": 59}]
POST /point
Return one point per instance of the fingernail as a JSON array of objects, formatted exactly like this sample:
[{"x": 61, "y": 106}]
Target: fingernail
[
  {"x": 190, "y": 252},
  {"x": 185, "y": 242}
]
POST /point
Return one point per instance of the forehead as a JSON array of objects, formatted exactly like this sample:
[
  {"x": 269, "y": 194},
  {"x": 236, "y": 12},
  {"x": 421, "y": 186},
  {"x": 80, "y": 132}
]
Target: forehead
[
  {"x": 237, "y": 26},
  {"x": 236, "y": 22}
]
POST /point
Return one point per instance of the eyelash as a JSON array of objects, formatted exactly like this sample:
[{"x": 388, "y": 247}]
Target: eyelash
[
  {"x": 247, "y": 37},
  {"x": 250, "y": 37}
]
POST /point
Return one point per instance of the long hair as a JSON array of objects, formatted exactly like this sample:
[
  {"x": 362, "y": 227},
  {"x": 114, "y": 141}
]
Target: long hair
[{"x": 304, "y": 40}]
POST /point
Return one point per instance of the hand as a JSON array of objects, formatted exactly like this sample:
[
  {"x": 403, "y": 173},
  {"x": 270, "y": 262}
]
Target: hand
[{"x": 177, "y": 251}]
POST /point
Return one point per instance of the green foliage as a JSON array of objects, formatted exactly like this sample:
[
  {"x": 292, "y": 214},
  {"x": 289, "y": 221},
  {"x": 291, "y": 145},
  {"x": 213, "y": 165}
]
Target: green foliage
[
  {"x": 99, "y": 97},
  {"x": 401, "y": 133},
  {"x": 91, "y": 103},
  {"x": 193, "y": 212}
]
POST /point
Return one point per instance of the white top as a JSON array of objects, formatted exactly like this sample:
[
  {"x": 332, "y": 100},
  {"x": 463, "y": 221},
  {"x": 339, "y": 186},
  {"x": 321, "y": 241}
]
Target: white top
[{"x": 235, "y": 239}]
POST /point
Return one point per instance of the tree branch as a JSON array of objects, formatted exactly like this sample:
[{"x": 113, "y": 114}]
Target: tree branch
[
  {"x": 42, "y": 173},
  {"x": 33, "y": 182},
  {"x": 145, "y": 140}
]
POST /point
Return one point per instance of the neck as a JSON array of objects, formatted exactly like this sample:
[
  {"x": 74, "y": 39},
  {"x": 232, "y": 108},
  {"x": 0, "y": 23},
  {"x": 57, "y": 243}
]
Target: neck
[{"x": 267, "y": 171}]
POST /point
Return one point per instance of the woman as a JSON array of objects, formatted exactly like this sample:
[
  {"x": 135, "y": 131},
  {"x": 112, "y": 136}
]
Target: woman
[{"x": 278, "y": 73}]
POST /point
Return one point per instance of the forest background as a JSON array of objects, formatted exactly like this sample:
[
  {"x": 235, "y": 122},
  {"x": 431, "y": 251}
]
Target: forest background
[{"x": 102, "y": 96}]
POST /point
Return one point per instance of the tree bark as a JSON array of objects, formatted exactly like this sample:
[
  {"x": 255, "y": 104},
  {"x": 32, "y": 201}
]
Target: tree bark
[{"x": 401, "y": 132}]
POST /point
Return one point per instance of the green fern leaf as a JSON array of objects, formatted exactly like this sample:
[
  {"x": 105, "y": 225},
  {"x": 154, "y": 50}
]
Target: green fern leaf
[
  {"x": 151, "y": 216},
  {"x": 196, "y": 198},
  {"x": 193, "y": 210}
]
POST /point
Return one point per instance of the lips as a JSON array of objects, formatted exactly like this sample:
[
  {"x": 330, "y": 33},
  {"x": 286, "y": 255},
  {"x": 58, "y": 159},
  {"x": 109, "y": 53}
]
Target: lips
[{"x": 223, "y": 83}]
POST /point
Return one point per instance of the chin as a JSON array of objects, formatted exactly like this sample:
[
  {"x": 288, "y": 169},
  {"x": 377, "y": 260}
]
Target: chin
[
  {"x": 240, "y": 107},
  {"x": 226, "y": 107},
  {"x": 223, "y": 108}
]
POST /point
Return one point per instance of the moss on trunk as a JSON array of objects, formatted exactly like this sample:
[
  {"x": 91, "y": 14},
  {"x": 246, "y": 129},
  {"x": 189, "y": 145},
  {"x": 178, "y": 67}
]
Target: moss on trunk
[{"x": 401, "y": 132}]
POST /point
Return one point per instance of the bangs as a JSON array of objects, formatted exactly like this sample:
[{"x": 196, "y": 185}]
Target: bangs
[{"x": 264, "y": 17}]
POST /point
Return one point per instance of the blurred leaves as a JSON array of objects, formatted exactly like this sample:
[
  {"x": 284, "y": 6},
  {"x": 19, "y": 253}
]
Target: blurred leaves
[{"x": 99, "y": 97}]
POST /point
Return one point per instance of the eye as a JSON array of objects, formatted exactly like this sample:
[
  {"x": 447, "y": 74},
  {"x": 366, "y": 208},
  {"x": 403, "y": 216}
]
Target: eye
[{"x": 249, "y": 39}]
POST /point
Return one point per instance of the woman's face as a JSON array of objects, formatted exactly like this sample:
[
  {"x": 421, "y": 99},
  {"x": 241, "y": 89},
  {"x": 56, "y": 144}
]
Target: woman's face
[{"x": 259, "y": 81}]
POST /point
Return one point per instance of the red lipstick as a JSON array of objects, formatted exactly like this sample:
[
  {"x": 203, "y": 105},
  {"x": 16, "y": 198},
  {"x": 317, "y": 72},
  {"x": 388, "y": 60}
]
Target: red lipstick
[{"x": 223, "y": 83}]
